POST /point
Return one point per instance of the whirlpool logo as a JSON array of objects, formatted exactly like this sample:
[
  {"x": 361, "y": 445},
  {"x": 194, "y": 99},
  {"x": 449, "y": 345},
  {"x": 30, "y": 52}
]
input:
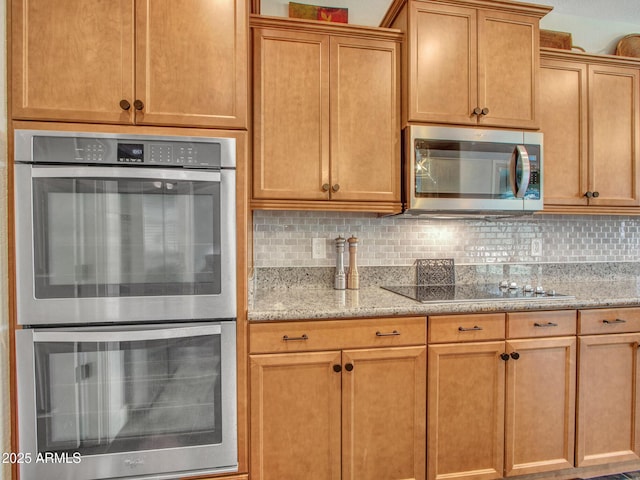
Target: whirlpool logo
[{"x": 134, "y": 462}]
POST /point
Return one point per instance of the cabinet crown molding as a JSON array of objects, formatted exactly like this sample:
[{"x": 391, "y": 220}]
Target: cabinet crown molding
[
  {"x": 500, "y": 5},
  {"x": 345, "y": 29}
]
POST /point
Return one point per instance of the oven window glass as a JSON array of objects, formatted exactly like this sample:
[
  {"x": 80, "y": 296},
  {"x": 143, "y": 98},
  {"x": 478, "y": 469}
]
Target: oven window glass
[
  {"x": 464, "y": 169},
  {"x": 125, "y": 237},
  {"x": 109, "y": 397}
]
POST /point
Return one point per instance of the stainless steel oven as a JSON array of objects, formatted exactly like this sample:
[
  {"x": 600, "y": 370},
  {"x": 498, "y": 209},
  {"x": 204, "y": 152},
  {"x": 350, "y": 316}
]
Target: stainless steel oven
[
  {"x": 148, "y": 401},
  {"x": 126, "y": 305},
  {"x": 122, "y": 228}
]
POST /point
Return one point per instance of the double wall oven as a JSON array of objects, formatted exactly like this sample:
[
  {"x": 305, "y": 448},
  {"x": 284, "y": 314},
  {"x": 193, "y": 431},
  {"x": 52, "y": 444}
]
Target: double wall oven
[{"x": 126, "y": 305}]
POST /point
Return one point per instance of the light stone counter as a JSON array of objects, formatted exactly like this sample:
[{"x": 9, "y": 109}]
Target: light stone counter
[{"x": 297, "y": 303}]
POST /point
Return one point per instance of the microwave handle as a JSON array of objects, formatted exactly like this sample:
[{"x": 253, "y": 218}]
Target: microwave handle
[{"x": 520, "y": 185}]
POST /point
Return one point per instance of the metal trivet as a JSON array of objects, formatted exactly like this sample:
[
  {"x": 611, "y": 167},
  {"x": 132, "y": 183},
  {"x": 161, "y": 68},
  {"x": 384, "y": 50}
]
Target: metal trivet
[{"x": 435, "y": 272}]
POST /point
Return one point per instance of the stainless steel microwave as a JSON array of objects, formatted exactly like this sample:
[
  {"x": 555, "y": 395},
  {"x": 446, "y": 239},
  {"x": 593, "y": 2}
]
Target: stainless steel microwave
[{"x": 469, "y": 171}]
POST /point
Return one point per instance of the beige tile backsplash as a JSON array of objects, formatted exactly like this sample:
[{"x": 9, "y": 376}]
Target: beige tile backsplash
[{"x": 284, "y": 239}]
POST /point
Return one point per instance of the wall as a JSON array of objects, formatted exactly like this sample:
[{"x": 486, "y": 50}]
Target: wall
[{"x": 284, "y": 239}]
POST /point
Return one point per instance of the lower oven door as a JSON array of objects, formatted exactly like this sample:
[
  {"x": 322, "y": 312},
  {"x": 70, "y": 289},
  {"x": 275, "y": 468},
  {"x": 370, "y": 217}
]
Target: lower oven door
[{"x": 97, "y": 402}]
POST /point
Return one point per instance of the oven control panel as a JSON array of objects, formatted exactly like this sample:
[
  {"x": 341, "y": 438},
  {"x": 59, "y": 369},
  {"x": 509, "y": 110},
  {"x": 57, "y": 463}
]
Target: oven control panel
[{"x": 127, "y": 151}]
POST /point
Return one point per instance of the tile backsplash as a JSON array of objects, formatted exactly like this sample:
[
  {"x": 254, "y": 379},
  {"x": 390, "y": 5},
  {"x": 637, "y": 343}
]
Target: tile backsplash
[{"x": 284, "y": 239}]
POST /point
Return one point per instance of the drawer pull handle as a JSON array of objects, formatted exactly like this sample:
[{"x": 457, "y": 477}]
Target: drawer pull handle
[
  {"x": 475, "y": 328},
  {"x": 392, "y": 334},
  {"x": 287, "y": 338},
  {"x": 545, "y": 325},
  {"x": 613, "y": 322}
]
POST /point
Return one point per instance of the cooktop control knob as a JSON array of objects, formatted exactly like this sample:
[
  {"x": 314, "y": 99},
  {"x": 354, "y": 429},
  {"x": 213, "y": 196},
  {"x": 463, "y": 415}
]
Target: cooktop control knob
[
  {"x": 539, "y": 290},
  {"x": 527, "y": 288},
  {"x": 513, "y": 286},
  {"x": 504, "y": 284}
]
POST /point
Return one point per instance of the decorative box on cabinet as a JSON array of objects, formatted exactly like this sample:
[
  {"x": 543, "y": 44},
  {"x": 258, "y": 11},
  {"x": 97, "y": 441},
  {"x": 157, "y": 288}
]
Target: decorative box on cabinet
[
  {"x": 326, "y": 116},
  {"x": 608, "y": 426},
  {"x": 339, "y": 399},
  {"x": 501, "y": 407},
  {"x": 590, "y": 116},
  {"x": 469, "y": 62},
  {"x": 152, "y": 62}
]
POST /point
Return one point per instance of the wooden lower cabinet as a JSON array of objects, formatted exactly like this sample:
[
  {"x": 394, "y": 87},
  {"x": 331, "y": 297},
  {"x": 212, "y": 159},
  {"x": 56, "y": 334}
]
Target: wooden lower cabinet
[
  {"x": 465, "y": 435},
  {"x": 500, "y": 407},
  {"x": 608, "y": 425},
  {"x": 540, "y": 405},
  {"x": 351, "y": 414}
]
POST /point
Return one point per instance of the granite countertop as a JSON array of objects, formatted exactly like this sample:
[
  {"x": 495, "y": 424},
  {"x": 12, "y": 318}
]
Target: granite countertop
[{"x": 373, "y": 301}]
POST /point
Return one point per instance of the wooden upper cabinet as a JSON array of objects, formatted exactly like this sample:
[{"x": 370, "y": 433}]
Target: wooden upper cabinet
[
  {"x": 563, "y": 120},
  {"x": 508, "y": 64},
  {"x": 72, "y": 60},
  {"x": 365, "y": 119},
  {"x": 614, "y": 139},
  {"x": 589, "y": 114},
  {"x": 326, "y": 116},
  {"x": 472, "y": 63},
  {"x": 145, "y": 62},
  {"x": 291, "y": 115},
  {"x": 191, "y": 62}
]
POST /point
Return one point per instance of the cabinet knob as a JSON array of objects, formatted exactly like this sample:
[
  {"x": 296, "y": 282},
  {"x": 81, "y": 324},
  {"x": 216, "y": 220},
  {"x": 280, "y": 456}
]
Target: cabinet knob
[
  {"x": 515, "y": 355},
  {"x": 504, "y": 356},
  {"x": 477, "y": 111},
  {"x": 325, "y": 187},
  {"x": 592, "y": 194},
  {"x": 348, "y": 367},
  {"x": 335, "y": 188},
  {"x": 484, "y": 111},
  {"x": 125, "y": 105},
  {"x": 596, "y": 194},
  {"x": 337, "y": 368},
  {"x": 138, "y": 105}
]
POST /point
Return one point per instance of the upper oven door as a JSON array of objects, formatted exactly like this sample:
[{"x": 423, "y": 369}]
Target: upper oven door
[{"x": 124, "y": 244}]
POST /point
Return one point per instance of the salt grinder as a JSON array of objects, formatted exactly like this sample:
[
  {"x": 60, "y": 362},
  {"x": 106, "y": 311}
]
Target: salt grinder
[
  {"x": 339, "y": 282},
  {"x": 353, "y": 278}
]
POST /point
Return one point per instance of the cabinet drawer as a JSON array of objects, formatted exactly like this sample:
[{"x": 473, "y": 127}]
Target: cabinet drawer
[
  {"x": 541, "y": 324},
  {"x": 608, "y": 320},
  {"x": 302, "y": 336},
  {"x": 466, "y": 328}
]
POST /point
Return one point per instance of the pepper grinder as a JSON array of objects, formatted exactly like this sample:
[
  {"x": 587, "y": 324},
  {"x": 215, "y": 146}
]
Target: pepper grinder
[
  {"x": 353, "y": 278},
  {"x": 339, "y": 282}
]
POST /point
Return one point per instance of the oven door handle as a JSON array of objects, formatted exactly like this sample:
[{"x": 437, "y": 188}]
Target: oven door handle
[
  {"x": 87, "y": 334},
  {"x": 125, "y": 173}
]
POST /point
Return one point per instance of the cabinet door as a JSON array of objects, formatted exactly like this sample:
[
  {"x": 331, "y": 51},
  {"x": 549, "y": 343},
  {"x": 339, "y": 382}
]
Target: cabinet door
[
  {"x": 563, "y": 119},
  {"x": 291, "y": 115},
  {"x": 540, "y": 408},
  {"x": 465, "y": 436},
  {"x": 614, "y": 149},
  {"x": 365, "y": 120},
  {"x": 443, "y": 64},
  {"x": 295, "y": 416},
  {"x": 72, "y": 60},
  {"x": 508, "y": 64},
  {"x": 191, "y": 63},
  {"x": 384, "y": 413},
  {"x": 607, "y": 428}
]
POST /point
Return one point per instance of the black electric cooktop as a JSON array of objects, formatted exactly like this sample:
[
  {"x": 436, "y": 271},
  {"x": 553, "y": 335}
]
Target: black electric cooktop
[{"x": 471, "y": 293}]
